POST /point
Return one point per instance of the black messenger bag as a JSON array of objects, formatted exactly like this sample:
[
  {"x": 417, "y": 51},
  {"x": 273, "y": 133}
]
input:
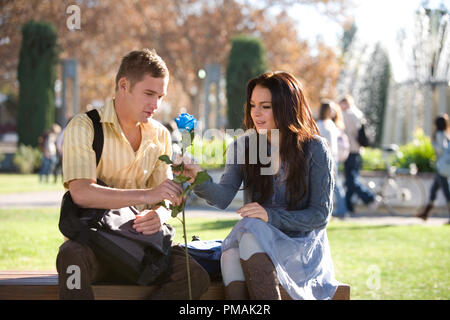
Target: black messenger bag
[{"x": 141, "y": 259}]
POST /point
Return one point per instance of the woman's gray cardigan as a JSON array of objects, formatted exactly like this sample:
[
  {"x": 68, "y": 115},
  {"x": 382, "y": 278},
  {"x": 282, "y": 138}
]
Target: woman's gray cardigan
[{"x": 312, "y": 212}]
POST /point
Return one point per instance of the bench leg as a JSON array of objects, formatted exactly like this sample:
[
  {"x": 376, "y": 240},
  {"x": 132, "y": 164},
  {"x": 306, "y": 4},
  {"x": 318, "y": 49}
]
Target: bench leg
[{"x": 342, "y": 293}]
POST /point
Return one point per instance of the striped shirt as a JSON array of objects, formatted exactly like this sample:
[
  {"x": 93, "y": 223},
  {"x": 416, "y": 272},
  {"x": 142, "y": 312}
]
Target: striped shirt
[{"x": 120, "y": 166}]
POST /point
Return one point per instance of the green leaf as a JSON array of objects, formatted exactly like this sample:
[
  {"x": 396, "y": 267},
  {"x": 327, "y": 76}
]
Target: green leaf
[
  {"x": 166, "y": 159},
  {"x": 188, "y": 189},
  {"x": 181, "y": 179},
  {"x": 178, "y": 168},
  {"x": 201, "y": 177},
  {"x": 176, "y": 210},
  {"x": 162, "y": 203}
]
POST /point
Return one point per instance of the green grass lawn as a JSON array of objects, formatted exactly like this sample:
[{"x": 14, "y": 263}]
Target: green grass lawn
[
  {"x": 12, "y": 183},
  {"x": 379, "y": 262}
]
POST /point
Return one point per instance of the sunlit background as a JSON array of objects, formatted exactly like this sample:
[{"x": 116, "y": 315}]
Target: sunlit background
[{"x": 392, "y": 56}]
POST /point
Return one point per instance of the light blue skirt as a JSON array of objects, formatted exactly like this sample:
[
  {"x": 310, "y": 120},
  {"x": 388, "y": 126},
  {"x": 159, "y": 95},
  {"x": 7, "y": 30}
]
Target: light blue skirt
[{"x": 304, "y": 266}]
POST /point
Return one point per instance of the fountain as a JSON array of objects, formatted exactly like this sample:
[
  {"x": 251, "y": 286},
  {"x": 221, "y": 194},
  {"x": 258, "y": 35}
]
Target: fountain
[
  {"x": 424, "y": 93},
  {"x": 412, "y": 101},
  {"x": 365, "y": 76}
]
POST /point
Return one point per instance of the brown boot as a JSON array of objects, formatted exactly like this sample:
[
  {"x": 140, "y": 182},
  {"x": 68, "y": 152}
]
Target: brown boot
[
  {"x": 284, "y": 294},
  {"x": 236, "y": 290},
  {"x": 261, "y": 277},
  {"x": 424, "y": 214}
]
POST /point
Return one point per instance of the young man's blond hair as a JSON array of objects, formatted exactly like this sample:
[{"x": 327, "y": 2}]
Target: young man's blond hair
[{"x": 136, "y": 64}]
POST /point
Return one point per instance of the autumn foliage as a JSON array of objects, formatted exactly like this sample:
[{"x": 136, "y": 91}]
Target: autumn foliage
[{"x": 188, "y": 35}]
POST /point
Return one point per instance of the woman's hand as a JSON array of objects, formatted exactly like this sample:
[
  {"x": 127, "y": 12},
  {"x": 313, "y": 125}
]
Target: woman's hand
[
  {"x": 254, "y": 210},
  {"x": 190, "y": 168}
]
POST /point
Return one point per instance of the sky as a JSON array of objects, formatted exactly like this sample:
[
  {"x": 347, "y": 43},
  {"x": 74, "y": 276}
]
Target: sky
[{"x": 377, "y": 20}]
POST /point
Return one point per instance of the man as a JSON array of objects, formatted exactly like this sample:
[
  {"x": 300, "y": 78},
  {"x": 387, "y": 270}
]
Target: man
[
  {"x": 129, "y": 165},
  {"x": 353, "y": 119}
]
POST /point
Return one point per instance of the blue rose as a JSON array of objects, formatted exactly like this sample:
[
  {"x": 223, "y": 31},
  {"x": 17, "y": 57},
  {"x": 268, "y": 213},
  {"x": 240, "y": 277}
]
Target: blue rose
[{"x": 186, "y": 121}]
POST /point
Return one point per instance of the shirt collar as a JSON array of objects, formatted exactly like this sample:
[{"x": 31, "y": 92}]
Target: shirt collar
[{"x": 109, "y": 113}]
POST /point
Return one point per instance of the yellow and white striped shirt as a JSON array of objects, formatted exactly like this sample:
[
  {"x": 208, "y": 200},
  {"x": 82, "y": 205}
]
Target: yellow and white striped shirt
[{"x": 119, "y": 167}]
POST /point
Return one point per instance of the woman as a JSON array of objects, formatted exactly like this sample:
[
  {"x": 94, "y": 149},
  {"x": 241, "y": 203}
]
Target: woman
[
  {"x": 280, "y": 247},
  {"x": 441, "y": 138},
  {"x": 331, "y": 133}
]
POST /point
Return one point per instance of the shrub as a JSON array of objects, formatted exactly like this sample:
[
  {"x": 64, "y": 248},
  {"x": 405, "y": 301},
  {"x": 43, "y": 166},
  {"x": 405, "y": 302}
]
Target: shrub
[
  {"x": 373, "y": 159},
  {"x": 246, "y": 61},
  {"x": 212, "y": 151},
  {"x": 27, "y": 159},
  {"x": 36, "y": 74},
  {"x": 420, "y": 151}
]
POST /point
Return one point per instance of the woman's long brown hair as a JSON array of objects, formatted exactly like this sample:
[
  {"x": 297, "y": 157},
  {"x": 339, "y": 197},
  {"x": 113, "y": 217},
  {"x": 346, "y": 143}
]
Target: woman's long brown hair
[{"x": 293, "y": 118}]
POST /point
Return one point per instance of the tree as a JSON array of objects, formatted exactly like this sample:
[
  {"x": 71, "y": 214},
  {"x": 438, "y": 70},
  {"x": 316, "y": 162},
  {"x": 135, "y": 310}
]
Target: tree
[
  {"x": 350, "y": 30},
  {"x": 317, "y": 67},
  {"x": 37, "y": 75},
  {"x": 188, "y": 34},
  {"x": 373, "y": 94},
  {"x": 365, "y": 74},
  {"x": 425, "y": 47},
  {"x": 246, "y": 62}
]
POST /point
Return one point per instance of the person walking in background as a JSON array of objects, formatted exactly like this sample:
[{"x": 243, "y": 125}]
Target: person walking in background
[
  {"x": 353, "y": 119},
  {"x": 49, "y": 152},
  {"x": 331, "y": 133},
  {"x": 440, "y": 139}
]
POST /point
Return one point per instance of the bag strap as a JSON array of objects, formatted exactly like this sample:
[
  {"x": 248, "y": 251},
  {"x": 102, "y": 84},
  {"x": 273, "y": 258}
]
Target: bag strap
[{"x": 97, "y": 143}]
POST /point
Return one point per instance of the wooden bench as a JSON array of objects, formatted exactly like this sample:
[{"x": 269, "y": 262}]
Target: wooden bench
[{"x": 43, "y": 285}]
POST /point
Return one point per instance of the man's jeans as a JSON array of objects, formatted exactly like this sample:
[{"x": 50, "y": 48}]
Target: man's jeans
[{"x": 352, "y": 166}]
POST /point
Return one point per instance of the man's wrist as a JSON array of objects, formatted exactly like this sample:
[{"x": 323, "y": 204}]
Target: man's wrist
[{"x": 147, "y": 197}]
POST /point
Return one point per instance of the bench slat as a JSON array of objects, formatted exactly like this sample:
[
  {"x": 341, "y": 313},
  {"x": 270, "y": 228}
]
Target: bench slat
[
  {"x": 24, "y": 292},
  {"x": 35, "y": 285},
  {"x": 38, "y": 285}
]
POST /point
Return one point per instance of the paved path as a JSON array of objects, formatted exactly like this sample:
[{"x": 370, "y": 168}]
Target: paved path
[
  {"x": 53, "y": 199},
  {"x": 361, "y": 218},
  {"x": 31, "y": 199}
]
